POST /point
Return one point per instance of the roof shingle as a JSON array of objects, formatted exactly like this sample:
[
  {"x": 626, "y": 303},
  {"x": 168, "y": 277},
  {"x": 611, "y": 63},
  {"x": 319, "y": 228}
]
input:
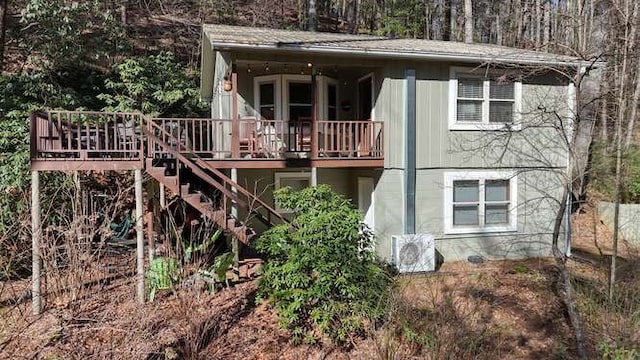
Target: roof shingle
[{"x": 355, "y": 45}]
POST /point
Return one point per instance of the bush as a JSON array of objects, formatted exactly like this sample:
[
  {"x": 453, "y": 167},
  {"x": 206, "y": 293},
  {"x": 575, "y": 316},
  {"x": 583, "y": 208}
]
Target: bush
[{"x": 321, "y": 272}]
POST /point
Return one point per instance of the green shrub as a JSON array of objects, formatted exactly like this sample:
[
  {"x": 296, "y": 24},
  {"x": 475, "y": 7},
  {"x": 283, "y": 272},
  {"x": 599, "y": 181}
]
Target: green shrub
[{"x": 321, "y": 272}]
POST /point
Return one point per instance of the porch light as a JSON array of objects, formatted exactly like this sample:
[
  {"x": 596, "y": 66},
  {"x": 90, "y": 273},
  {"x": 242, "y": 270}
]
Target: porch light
[
  {"x": 249, "y": 68},
  {"x": 266, "y": 66},
  {"x": 309, "y": 65},
  {"x": 301, "y": 70},
  {"x": 228, "y": 85}
]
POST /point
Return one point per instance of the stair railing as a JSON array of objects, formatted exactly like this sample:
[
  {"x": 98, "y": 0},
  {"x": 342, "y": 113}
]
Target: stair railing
[{"x": 196, "y": 164}]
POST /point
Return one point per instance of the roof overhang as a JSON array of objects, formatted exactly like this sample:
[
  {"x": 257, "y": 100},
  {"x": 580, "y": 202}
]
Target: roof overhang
[
  {"x": 507, "y": 56},
  {"x": 392, "y": 54}
]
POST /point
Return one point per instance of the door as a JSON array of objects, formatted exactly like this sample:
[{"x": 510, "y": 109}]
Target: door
[{"x": 365, "y": 97}]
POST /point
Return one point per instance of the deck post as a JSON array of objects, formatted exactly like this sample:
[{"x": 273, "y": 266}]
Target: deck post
[
  {"x": 314, "y": 126},
  {"x": 235, "y": 125},
  {"x": 314, "y": 115},
  {"x": 163, "y": 221},
  {"x": 314, "y": 176},
  {"x": 235, "y": 244},
  {"x": 163, "y": 199},
  {"x": 36, "y": 232},
  {"x": 139, "y": 237}
]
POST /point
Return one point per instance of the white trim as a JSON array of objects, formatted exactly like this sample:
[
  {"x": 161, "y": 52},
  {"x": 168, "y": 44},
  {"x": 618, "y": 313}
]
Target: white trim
[
  {"x": 289, "y": 175},
  {"x": 323, "y": 100},
  {"x": 281, "y": 95},
  {"x": 371, "y": 76},
  {"x": 450, "y": 177},
  {"x": 277, "y": 94},
  {"x": 454, "y": 73},
  {"x": 286, "y": 80},
  {"x": 571, "y": 109}
]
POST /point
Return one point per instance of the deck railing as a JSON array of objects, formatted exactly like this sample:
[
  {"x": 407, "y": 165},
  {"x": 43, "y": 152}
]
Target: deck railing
[
  {"x": 105, "y": 136},
  {"x": 211, "y": 138},
  {"x": 84, "y": 135}
]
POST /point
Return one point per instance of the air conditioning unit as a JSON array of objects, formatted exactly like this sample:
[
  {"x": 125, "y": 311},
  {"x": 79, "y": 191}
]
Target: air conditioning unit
[{"x": 414, "y": 253}]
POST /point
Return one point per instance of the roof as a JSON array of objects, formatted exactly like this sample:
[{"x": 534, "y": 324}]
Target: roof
[{"x": 237, "y": 37}]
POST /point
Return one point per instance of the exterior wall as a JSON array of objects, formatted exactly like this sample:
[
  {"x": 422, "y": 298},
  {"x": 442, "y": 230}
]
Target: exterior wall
[
  {"x": 389, "y": 106},
  {"x": 537, "y": 206},
  {"x": 536, "y": 153},
  {"x": 341, "y": 180},
  {"x": 389, "y": 199}
]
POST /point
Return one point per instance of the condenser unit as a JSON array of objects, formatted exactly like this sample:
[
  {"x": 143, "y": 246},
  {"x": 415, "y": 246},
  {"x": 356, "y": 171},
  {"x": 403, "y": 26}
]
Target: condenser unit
[{"x": 414, "y": 253}]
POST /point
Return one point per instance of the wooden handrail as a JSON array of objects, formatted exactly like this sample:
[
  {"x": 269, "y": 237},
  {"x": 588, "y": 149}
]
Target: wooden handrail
[
  {"x": 192, "y": 166},
  {"x": 202, "y": 163}
]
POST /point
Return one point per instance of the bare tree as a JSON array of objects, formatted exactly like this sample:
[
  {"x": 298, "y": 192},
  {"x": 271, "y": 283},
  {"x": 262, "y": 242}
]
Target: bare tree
[
  {"x": 468, "y": 21},
  {"x": 4, "y": 5}
]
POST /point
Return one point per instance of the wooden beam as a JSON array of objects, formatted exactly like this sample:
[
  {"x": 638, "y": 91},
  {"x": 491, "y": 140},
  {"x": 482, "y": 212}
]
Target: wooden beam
[
  {"x": 235, "y": 244},
  {"x": 140, "y": 293},
  {"x": 36, "y": 234},
  {"x": 235, "y": 126},
  {"x": 85, "y": 165}
]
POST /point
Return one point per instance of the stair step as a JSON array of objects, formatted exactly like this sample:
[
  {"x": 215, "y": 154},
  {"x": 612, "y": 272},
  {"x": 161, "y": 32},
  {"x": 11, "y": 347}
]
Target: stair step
[
  {"x": 184, "y": 188},
  {"x": 193, "y": 199}
]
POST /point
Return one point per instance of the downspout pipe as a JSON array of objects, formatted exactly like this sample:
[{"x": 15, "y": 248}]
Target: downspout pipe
[{"x": 410, "y": 152}]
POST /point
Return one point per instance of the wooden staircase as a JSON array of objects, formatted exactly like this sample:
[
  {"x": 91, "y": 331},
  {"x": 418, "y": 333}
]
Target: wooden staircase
[{"x": 178, "y": 159}]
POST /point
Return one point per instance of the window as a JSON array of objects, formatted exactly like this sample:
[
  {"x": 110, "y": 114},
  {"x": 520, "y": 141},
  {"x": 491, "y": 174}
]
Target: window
[
  {"x": 296, "y": 180},
  {"x": 480, "y": 103},
  {"x": 480, "y": 202}
]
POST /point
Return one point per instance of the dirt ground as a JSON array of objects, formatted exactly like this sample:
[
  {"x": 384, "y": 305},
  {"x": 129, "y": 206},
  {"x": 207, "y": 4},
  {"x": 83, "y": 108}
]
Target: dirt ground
[{"x": 515, "y": 302}]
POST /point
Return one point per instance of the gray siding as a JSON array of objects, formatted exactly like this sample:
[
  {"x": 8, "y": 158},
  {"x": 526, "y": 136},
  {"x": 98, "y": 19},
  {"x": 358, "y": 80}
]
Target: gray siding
[
  {"x": 341, "y": 180},
  {"x": 389, "y": 107}
]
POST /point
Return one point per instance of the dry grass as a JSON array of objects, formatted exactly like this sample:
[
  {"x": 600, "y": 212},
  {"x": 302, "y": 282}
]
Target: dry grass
[{"x": 499, "y": 309}]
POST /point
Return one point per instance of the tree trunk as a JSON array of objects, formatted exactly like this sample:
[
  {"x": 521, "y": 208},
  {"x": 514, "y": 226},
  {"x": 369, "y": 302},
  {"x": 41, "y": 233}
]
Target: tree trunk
[
  {"x": 546, "y": 26},
  {"x": 3, "y": 30},
  {"x": 621, "y": 113},
  {"x": 437, "y": 21},
  {"x": 468, "y": 21},
  {"x": 636, "y": 93},
  {"x": 538, "y": 24},
  {"x": 453, "y": 20},
  {"x": 355, "y": 16},
  {"x": 498, "y": 29},
  {"x": 427, "y": 19},
  {"x": 313, "y": 18}
]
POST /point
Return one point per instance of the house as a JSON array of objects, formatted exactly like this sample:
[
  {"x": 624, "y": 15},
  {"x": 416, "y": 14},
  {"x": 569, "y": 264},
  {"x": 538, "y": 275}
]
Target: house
[{"x": 464, "y": 142}]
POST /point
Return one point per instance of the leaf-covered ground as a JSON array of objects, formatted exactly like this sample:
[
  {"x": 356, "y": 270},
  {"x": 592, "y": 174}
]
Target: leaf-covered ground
[{"x": 508, "y": 309}]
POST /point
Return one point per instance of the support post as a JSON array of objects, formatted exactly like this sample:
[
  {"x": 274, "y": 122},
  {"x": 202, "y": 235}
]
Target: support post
[
  {"x": 163, "y": 217},
  {"x": 163, "y": 198},
  {"x": 314, "y": 115},
  {"x": 235, "y": 244},
  {"x": 314, "y": 176},
  {"x": 235, "y": 125},
  {"x": 36, "y": 232},
  {"x": 150, "y": 234},
  {"x": 139, "y": 237}
]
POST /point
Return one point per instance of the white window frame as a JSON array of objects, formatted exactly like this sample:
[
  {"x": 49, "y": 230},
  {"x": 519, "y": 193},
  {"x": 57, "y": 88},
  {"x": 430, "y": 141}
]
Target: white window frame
[
  {"x": 368, "y": 77},
  {"x": 454, "y": 74},
  {"x": 481, "y": 176},
  {"x": 289, "y": 175},
  {"x": 276, "y": 80},
  {"x": 281, "y": 88}
]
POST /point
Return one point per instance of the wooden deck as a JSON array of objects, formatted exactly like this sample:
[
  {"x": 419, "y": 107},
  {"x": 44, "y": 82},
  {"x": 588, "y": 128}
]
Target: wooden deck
[{"x": 77, "y": 140}]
